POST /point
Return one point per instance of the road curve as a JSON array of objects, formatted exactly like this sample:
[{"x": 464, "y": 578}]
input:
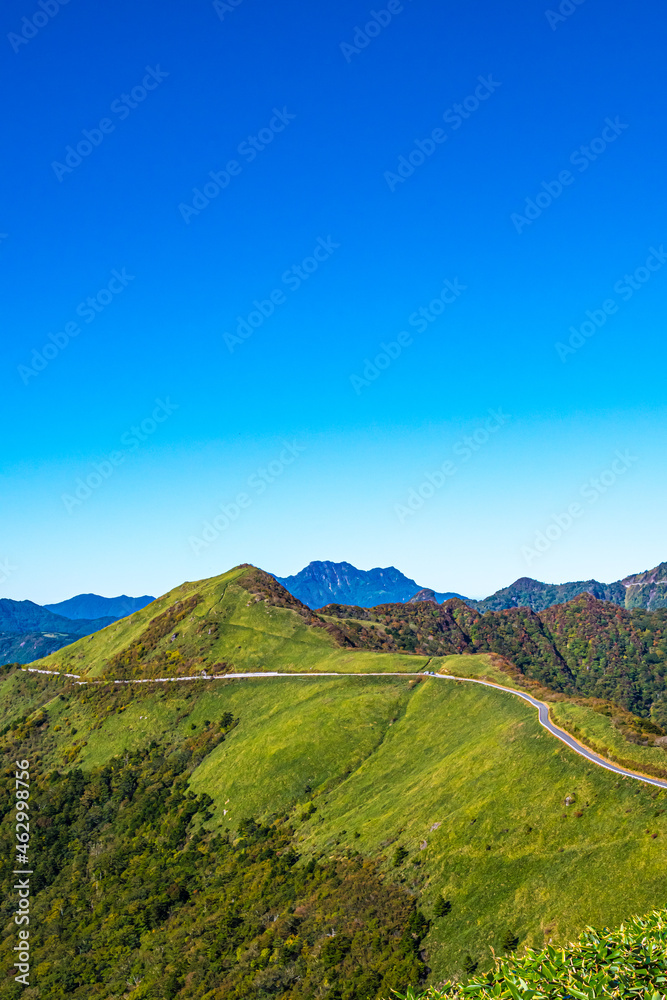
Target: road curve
[
  {"x": 561, "y": 734},
  {"x": 542, "y": 707}
]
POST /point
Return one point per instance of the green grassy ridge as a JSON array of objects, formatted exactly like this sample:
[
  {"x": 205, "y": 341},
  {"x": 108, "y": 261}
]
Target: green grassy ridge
[
  {"x": 90, "y": 655},
  {"x": 630, "y": 961},
  {"x": 306, "y": 732},
  {"x": 585, "y": 723},
  {"x": 595, "y": 730},
  {"x": 245, "y": 621},
  {"x": 477, "y": 762},
  {"x": 231, "y": 627}
]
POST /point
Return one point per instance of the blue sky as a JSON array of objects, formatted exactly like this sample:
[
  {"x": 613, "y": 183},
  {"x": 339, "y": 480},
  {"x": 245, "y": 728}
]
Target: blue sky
[{"x": 422, "y": 214}]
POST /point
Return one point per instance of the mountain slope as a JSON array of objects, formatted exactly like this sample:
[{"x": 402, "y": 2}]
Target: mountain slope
[
  {"x": 533, "y": 594},
  {"x": 323, "y": 583},
  {"x": 647, "y": 590},
  {"x": 585, "y": 647},
  {"x": 163, "y": 807},
  {"x": 243, "y": 620},
  {"x": 93, "y": 606}
]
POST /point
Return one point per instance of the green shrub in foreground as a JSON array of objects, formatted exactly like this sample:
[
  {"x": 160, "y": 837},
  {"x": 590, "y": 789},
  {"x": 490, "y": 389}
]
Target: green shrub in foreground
[{"x": 630, "y": 961}]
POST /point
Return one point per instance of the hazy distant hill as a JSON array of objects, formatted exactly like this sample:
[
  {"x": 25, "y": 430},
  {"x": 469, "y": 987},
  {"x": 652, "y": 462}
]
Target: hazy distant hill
[
  {"x": 326, "y": 582},
  {"x": 24, "y": 647},
  {"x": 24, "y": 616},
  {"x": 28, "y": 630},
  {"x": 93, "y": 606}
]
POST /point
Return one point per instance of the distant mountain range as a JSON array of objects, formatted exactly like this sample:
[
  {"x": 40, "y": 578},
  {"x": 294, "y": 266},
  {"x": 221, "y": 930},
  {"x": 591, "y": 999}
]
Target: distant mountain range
[
  {"x": 93, "y": 606},
  {"x": 646, "y": 590},
  {"x": 527, "y": 593},
  {"x": 323, "y": 583},
  {"x": 29, "y": 631}
]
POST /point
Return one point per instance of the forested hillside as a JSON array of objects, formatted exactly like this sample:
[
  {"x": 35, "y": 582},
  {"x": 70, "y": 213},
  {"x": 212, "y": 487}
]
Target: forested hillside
[{"x": 588, "y": 647}]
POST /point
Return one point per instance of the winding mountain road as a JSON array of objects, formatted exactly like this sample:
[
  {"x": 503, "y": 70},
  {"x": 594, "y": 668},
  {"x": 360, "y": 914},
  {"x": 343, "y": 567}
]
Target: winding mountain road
[
  {"x": 561, "y": 734},
  {"x": 542, "y": 707}
]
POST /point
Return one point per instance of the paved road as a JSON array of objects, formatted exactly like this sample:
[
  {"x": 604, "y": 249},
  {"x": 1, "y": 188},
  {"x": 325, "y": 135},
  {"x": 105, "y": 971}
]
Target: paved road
[{"x": 542, "y": 707}]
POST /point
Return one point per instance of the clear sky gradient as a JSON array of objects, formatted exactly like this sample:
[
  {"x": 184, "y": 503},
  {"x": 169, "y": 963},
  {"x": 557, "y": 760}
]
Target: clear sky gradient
[{"x": 269, "y": 269}]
